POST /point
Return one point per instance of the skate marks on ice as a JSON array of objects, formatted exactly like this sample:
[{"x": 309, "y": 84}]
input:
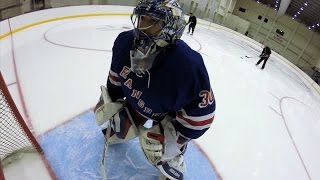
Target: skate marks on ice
[
  {"x": 192, "y": 42},
  {"x": 290, "y": 76},
  {"x": 74, "y": 150},
  {"x": 302, "y": 124}
]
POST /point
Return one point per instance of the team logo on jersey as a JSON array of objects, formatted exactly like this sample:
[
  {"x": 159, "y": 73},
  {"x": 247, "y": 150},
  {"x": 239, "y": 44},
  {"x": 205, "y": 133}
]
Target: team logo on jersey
[{"x": 207, "y": 98}]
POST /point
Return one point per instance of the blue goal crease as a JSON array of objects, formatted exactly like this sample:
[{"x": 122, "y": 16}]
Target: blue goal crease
[{"x": 75, "y": 151}]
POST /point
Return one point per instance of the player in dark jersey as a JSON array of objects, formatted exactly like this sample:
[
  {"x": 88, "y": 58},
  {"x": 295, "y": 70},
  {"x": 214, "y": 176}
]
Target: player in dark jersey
[
  {"x": 264, "y": 56},
  {"x": 156, "y": 76},
  {"x": 192, "y": 23}
]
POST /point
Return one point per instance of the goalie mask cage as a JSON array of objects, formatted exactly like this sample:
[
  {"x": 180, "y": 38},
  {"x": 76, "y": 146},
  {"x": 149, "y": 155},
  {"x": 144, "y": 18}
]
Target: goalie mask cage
[{"x": 15, "y": 136}]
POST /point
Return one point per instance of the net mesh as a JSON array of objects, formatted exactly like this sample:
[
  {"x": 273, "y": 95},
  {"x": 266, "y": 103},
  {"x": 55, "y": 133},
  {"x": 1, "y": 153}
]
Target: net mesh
[{"x": 12, "y": 136}]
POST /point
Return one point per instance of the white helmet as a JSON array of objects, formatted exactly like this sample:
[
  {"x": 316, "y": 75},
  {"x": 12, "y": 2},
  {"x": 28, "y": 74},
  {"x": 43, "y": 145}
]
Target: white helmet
[{"x": 146, "y": 47}]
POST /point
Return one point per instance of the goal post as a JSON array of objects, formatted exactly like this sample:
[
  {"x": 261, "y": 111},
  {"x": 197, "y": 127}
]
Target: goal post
[{"x": 1, "y": 172}]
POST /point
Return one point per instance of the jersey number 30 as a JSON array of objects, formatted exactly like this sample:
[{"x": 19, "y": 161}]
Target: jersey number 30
[{"x": 207, "y": 98}]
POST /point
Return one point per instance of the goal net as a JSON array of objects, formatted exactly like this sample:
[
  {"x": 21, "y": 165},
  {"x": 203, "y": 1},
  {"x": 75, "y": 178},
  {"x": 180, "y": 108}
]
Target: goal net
[{"x": 15, "y": 136}]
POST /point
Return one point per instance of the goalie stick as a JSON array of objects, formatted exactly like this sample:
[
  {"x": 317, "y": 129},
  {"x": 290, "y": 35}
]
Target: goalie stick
[{"x": 105, "y": 154}]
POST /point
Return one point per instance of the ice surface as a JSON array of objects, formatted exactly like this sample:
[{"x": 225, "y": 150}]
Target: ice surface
[{"x": 266, "y": 124}]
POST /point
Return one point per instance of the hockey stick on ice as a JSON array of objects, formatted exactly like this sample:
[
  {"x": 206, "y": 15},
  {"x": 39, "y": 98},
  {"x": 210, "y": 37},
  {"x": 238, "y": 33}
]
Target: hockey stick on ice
[{"x": 250, "y": 56}]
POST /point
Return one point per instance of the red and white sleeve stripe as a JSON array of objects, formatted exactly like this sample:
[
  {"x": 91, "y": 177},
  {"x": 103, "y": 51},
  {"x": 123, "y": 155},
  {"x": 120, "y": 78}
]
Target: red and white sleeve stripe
[
  {"x": 194, "y": 122},
  {"x": 114, "y": 78}
]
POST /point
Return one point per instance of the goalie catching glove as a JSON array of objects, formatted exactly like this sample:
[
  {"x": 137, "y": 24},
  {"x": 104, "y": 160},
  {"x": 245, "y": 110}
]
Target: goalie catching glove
[
  {"x": 105, "y": 108},
  {"x": 164, "y": 147}
]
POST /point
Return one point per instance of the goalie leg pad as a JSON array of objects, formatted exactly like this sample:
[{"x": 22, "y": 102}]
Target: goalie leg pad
[
  {"x": 151, "y": 141},
  {"x": 122, "y": 127},
  {"x": 174, "y": 168},
  {"x": 164, "y": 148}
]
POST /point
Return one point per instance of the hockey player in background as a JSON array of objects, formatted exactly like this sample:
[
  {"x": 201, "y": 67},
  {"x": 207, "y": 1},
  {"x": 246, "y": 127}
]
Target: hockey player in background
[
  {"x": 192, "y": 23},
  {"x": 156, "y": 76},
  {"x": 264, "y": 56}
]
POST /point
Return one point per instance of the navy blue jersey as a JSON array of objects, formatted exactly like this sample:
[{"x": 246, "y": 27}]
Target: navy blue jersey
[{"x": 177, "y": 82}]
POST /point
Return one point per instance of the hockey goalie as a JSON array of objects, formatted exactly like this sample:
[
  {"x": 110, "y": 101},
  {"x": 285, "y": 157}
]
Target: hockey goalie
[{"x": 156, "y": 76}]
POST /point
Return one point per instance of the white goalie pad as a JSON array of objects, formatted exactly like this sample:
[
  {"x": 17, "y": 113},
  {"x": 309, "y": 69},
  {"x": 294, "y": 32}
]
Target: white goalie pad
[
  {"x": 162, "y": 148},
  {"x": 151, "y": 141},
  {"x": 172, "y": 142}
]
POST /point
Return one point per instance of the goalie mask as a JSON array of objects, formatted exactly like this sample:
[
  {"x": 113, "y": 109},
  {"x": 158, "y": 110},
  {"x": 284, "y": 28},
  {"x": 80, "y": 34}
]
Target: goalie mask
[{"x": 157, "y": 23}]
